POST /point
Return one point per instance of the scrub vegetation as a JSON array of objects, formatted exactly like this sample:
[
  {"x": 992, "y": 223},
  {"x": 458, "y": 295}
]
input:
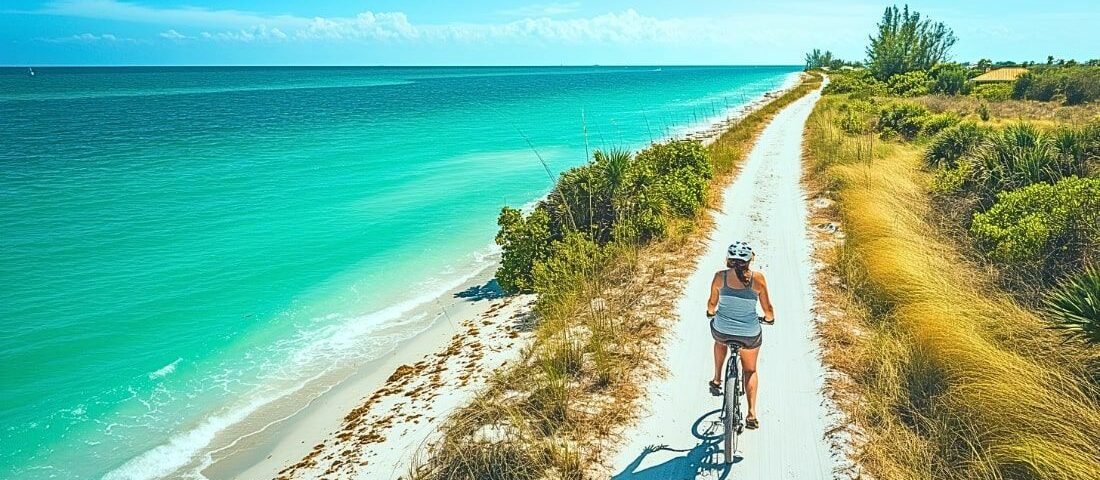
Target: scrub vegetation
[
  {"x": 954, "y": 376},
  {"x": 968, "y": 274},
  {"x": 606, "y": 253}
]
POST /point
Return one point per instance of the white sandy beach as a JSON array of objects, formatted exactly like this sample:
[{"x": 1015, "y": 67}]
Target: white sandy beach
[
  {"x": 677, "y": 437},
  {"x": 368, "y": 425},
  {"x": 373, "y": 424}
]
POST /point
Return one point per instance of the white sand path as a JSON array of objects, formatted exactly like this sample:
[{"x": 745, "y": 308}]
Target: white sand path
[{"x": 766, "y": 205}]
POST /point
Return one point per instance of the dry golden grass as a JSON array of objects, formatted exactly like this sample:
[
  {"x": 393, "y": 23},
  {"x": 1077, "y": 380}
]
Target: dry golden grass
[
  {"x": 554, "y": 413},
  {"x": 1009, "y": 111},
  {"x": 951, "y": 379}
]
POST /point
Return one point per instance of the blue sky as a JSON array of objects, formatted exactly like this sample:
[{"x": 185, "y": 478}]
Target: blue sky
[{"x": 494, "y": 32}]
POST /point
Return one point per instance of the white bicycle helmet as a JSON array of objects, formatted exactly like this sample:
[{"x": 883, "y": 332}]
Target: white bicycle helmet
[{"x": 739, "y": 251}]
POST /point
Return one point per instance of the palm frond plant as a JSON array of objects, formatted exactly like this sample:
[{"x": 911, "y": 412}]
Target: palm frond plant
[{"x": 1074, "y": 307}]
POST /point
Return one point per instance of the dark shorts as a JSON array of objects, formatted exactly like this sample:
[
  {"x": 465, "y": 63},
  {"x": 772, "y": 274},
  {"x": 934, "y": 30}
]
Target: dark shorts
[{"x": 745, "y": 342}]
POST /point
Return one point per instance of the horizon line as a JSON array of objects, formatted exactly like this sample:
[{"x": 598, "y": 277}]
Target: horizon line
[{"x": 406, "y": 65}]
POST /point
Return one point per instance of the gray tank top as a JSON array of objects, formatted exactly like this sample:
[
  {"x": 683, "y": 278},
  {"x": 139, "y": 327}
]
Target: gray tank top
[{"x": 736, "y": 313}]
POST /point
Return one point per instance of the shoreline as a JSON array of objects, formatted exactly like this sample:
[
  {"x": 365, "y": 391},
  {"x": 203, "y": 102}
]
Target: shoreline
[
  {"x": 286, "y": 441},
  {"x": 323, "y": 438}
]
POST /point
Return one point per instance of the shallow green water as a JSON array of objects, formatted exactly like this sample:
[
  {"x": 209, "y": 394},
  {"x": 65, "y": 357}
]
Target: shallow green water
[{"x": 182, "y": 245}]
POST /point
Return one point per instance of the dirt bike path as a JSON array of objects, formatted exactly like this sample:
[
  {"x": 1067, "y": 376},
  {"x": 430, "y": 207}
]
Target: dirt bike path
[{"x": 679, "y": 434}]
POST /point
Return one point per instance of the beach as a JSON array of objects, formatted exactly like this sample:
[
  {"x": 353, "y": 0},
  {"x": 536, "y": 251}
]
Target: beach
[
  {"x": 375, "y": 423},
  {"x": 373, "y": 420},
  {"x": 296, "y": 227}
]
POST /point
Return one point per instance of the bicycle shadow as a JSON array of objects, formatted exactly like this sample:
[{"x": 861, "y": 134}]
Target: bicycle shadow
[{"x": 704, "y": 459}]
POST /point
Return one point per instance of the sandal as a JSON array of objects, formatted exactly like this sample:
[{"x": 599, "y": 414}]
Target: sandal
[
  {"x": 752, "y": 423},
  {"x": 715, "y": 388}
]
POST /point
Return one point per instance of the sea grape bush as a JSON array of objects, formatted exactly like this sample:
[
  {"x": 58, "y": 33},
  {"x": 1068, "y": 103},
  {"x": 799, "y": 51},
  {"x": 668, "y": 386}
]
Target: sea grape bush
[
  {"x": 910, "y": 84},
  {"x": 1057, "y": 225},
  {"x": 992, "y": 92},
  {"x": 616, "y": 198},
  {"x": 859, "y": 82},
  {"x": 524, "y": 241},
  {"x": 904, "y": 119}
]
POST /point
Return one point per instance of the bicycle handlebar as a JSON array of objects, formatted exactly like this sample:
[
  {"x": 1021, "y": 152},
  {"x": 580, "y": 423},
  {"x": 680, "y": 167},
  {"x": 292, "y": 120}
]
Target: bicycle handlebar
[{"x": 761, "y": 319}]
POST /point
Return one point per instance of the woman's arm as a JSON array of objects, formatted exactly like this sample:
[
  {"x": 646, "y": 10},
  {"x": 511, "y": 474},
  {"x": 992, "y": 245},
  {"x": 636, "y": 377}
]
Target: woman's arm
[
  {"x": 715, "y": 290},
  {"x": 761, "y": 287}
]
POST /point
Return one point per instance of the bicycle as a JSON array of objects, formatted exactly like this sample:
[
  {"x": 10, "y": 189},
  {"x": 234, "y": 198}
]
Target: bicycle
[{"x": 732, "y": 421}]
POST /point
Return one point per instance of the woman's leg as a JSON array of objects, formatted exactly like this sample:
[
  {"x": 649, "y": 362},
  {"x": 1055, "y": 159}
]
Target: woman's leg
[
  {"x": 719, "y": 358},
  {"x": 748, "y": 368}
]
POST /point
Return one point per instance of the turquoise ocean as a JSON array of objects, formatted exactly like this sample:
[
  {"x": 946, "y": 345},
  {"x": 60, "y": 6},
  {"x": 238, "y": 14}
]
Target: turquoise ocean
[{"x": 181, "y": 247}]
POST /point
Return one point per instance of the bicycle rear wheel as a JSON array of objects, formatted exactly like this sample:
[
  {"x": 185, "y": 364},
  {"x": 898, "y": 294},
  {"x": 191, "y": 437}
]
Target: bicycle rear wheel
[{"x": 731, "y": 413}]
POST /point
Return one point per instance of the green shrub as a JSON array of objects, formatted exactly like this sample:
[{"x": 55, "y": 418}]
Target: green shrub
[
  {"x": 936, "y": 123},
  {"x": 1074, "y": 306},
  {"x": 992, "y": 92},
  {"x": 569, "y": 262},
  {"x": 1057, "y": 225},
  {"x": 951, "y": 180},
  {"x": 1073, "y": 85},
  {"x": 1077, "y": 148},
  {"x": 856, "y": 117},
  {"x": 616, "y": 197},
  {"x": 858, "y": 82},
  {"x": 910, "y": 84},
  {"x": 524, "y": 242},
  {"x": 983, "y": 112},
  {"x": 1014, "y": 157},
  {"x": 950, "y": 145},
  {"x": 949, "y": 79},
  {"x": 1083, "y": 86},
  {"x": 677, "y": 172},
  {"x": 904, "y": 119}
]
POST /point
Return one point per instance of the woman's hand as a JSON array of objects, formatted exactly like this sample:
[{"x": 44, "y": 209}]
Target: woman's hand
[
  {"x": 710, "y": 314},
  {"x": 767, "y": 321}
]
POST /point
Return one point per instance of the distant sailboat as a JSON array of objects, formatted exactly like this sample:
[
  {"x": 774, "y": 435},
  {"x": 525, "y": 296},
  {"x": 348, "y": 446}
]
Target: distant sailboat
[{"x": 30, "y": 70}]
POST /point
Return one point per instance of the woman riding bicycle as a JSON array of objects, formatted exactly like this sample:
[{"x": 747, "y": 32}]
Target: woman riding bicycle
[{"x": 732, "y": 310}]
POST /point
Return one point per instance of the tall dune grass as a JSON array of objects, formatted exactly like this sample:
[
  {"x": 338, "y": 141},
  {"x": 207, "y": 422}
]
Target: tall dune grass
[
  {"x": 553, "y": 414},
  {"x": 955, "y": 380}
]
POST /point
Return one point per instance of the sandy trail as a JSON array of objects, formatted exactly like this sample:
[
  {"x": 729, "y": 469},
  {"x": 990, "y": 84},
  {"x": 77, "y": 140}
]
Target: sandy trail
[{"x": 679, "y": 434}]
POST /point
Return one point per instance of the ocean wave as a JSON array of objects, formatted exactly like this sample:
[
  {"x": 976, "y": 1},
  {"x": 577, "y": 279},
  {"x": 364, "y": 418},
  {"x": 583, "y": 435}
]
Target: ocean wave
[
  {"x": 327, "y": 346},
  {"x": 165, "y": 370}
]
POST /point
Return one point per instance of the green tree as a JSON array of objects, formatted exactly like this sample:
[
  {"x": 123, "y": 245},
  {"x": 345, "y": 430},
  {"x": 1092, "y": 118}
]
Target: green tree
[
  {"x": 818, "y": 59},
  {"x": 905, "y": 42}
]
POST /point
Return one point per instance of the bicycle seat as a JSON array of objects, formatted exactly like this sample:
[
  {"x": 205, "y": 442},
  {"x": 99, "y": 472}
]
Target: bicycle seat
[{"x": 734, "y": 346}]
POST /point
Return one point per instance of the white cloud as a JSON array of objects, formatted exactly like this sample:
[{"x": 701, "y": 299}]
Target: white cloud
[
  {"x": 541, "y": 10},
  {"x": 190, "y": 16},
  {"x": 539, "y": 25},
  {"x": 366, "y": 25},
  {"x": 88, "y": 38},
  {"x": 254, "y": 34},
  {"x": 172, "y": 34}
]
